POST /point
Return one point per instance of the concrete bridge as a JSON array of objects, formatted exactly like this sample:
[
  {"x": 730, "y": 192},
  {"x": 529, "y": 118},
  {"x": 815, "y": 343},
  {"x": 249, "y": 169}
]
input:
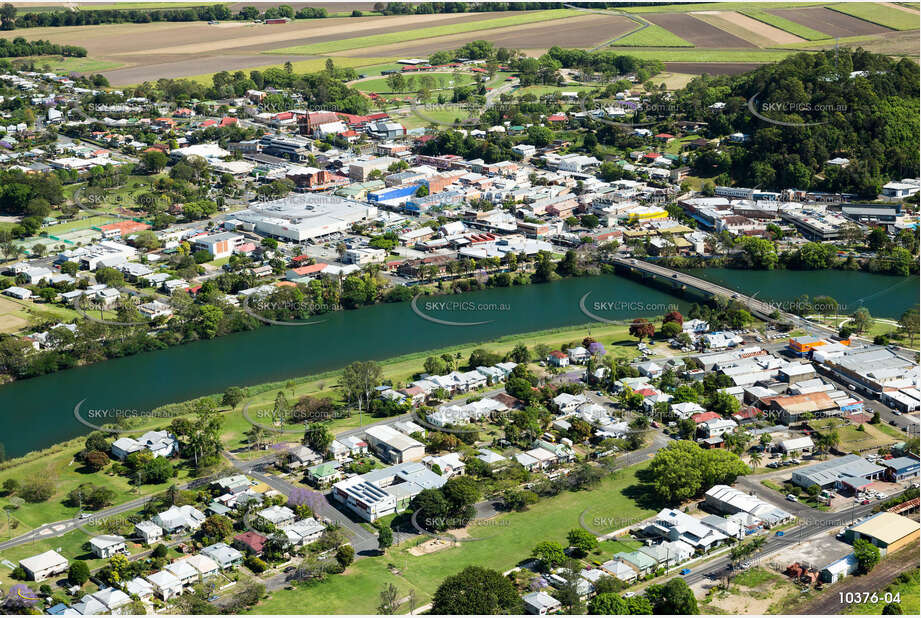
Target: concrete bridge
[{"x": 683, "y": 281}]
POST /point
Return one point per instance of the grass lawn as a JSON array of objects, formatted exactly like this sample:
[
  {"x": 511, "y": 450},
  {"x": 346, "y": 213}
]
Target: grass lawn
[
  {"x": 41, "y": 311},
  {"x": 879, "y": 14},
  {"x": 755, "y": 577},
  {"x": 510, "y": 540},
  {"x": 711, "y": 55},
  {"x": 389, "y": 38},
  {"x": 78, "y": 224},
  {"x": 784, "y": 24},
  {"x": 313, "y": 65},
  {"x": 57, "y": 464},
  {"x": 817, "y": 44},
  {"x": 443, "y": 81},
  {"x": 425, "y": 117},
  {"x": 652, "y": 36},
  {"x": 65, "y": 64},
  {"x": 891, "y": 431}
]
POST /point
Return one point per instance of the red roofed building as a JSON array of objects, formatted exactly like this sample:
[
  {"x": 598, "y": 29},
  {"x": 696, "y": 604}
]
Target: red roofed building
[
  {"x": 665, "y": 137},
  {"x": 306, "y": 271},
  {"x": 703, "y": 417},
  {"x": 250, "y": 541},
  {"x": 557, "y": 118},
  {"x": 652, "y": 156},
  {"x": 122, "y": 229},
  {"x": 300, "y": 258},
  {"x": 746, "y": 415},
  {"x": 557, "y": 358},
  {"x": 226, "y": 121},
  {"x": 183, "y": 112},
  {"x": 309, "y": 122}
]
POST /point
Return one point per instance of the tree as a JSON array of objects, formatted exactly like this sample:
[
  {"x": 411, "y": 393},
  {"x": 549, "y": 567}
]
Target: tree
[
  {"x": 642, "y": 328},
  {"x": 390, "y": 601},
  {"x": 476, "y": 590},
  {"x": 612, "y": 604},
  {"x": 867, "y": 555},
  {"x": 384, "y": 538},
  {"x": 36, "y": 490},
  {"x": 682, "y": 470},
  {"x": 670, "y": 330},
  {"x": 550, "y": 553},
  {"x": 345, "y": 555},
  {"x": 233, "y": 396},
  {"x": 358, "y": 381},
  {"x": 96, "y": 460},
  {"x": 861, "y": 320},
  {"x": 78, "y": 573},
  {"x": 909, "y": 324},
  {"x": 318, "y": 437},
  {"x": 154, "y": 160},
  {"x": 583, "y": 540},
  {"x": 674, "y": 597},
  {"x": 893, "y": 608},
  {"x": 215, "y": 529}
]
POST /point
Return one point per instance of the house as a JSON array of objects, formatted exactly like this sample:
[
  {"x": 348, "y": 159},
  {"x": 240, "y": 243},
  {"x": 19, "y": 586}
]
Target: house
[
  {"x": 393, "y": 446},
  {"x": 149, "y": 531},
  {"x": 578, "y": 355},
  {"x": 183, "y": 571},
  {"x": 650, "y": 369},
  {"x": 106, "y": 546},
  {"x": 204, "y": 565},
  {"x": 304, "y": 531},
  {"x": 668, "y": 553},
  {"x": 558, "y": 359},
  {"x": 621, "y": 570},
  {"x": 301, "y": 456},
  {"x": 686, "y": 409},
  {"x": 540, "y": 603},
  {"x": 324, "y": 474},
  {"x": 278, "y": 516},
  {"x": 449, "y": 464},
  {"x": 160, "y": 443},
  {"x": 42, "y": 566},
  {"x": 184, "y": 518},
  {"x": 250, "y": 542},
  {"x": 642, "y": 563},
  {"x": 104, "y": 601},
  {"x": 139, "y": 587},
  {"x": 165, "y": 584},
  {"x": 224, "y": 555},
  {"x": 678, "y": 526}
]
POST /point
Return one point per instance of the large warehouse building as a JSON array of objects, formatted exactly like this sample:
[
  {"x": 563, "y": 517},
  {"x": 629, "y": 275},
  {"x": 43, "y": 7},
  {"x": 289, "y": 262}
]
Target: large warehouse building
[
  {"x": 888, "y": 531},
  {"x": 851, "y": 471},
  {"x": 301, "y": 217}
]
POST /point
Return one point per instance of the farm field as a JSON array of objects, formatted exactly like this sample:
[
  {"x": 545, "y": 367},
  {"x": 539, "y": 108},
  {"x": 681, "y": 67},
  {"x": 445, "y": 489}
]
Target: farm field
[
  {"x": 888, "y": 15},
  {"x": 698, "y": 32},
  {"x": 62, "y": 64},
  {"x": 401, "y": 35},
  {"x": 786, "y": 25},
  {"x": 742, "y": 26},
  {"x": 311, "y": 65},
  {"x": 652, "y": 36},
  {"x": 833, "y": 23},
  {"x": 726, "y": 6},
  {"x": 443, "y": 80}
]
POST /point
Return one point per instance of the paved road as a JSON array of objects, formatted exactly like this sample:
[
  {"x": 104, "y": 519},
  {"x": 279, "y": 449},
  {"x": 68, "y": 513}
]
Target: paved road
[{"x": 362, "y": 540}]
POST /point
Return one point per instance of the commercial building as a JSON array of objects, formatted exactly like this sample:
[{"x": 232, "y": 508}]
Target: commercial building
[
  {"x": 393, "y": 446},
  {"x": 219, "y": 245},
  {"x": 301, "y": 217},
  {"x": 850, "y": 471},
  {"x": 888, "y": 531},
  {"x": 385, "y": 491}
]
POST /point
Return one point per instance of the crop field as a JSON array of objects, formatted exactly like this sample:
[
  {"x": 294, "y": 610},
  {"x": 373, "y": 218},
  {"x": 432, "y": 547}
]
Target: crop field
[
  {"x": 401, "y": 35},
  {"x": 799, "y": 30},
  {"x": 698, "y": 32},
  {"x": 744, "y": 27},
  {"x": 831, "y": 22},
  {"x": 888, "y": 15},
  {"x": 302, "y": 66},
  {"x": 726, "y": 6},
  {"x": 652, "y": 36}
]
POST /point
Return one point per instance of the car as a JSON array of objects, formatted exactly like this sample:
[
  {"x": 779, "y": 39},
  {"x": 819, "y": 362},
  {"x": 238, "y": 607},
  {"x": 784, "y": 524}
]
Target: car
[
  {"x": 599, "y": 393},
  {"x": 629, "y": 594},
  {"x": 675, "y": 276},
  {"x": 865, "y": 501},
  {"x": 897, "y": 413},
  {"x": 85, "y": 515},
  {"x": 792, "y": 498},
  {"x": 684, "y": 571}
]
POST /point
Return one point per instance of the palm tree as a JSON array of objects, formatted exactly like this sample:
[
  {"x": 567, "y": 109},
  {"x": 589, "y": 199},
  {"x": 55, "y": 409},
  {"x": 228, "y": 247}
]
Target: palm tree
[{"x": 755, "y": 459}]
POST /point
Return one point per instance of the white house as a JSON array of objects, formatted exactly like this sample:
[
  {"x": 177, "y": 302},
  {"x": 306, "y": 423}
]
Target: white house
[
  {"x": 184, "y": 518},
  {"x": 224, "y": 555},
  {"x": 149, "y": 531},
  {"x": 160, "y": 443},
  {"x": 304, "y": 531},
  {"x": 106, "y": 546},
  {"x": 183, "y": 571},
  {"x": 540, "y": 603},
  {"x": 165, "y": 584},
  {"x": 42, "y": 566},
  {"x": 278, "y": 516}
]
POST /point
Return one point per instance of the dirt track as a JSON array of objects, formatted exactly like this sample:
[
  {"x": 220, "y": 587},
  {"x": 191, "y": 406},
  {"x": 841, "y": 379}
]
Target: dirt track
[
  {"x": 695, "y": 31},
  {"x": 830, "y": 22}
]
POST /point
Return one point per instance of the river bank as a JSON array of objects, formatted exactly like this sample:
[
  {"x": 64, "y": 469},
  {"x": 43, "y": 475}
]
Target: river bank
[{"x": 39, "y": 411}]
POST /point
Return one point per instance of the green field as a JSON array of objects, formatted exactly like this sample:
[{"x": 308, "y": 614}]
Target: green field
[
  {"x": 879, "y": 14},
  {"x": 906, "y": 586},
  {"x": 379, "y": 85},
  {"x": 785, "y": 24},
  {"x": 62, "y": 64},
  {"x": 78, "y": 224},
  {"x": 390, "y": 38},
  {"x": 651, "y": 36},
  {"x": 509, "y": 541}
]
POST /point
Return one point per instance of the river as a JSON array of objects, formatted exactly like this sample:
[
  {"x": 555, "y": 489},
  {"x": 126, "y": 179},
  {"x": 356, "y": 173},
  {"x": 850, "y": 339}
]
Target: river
[{"x": 39, "y": 412}]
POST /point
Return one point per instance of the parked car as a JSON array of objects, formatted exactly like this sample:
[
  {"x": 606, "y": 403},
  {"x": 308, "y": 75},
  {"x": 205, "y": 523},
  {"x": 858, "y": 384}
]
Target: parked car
[
  {"x": 685, "y": 571},
  {"x": 792, "y": 498}
]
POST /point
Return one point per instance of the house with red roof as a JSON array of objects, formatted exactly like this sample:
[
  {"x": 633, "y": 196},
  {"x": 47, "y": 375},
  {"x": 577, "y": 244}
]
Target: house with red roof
[
  {"x": 311, "y": 270},
  {"x": 703, "y": 417},
  {"x": 183, "y": 112},
  {"x": 558, "y": 359},
  {"x": 557, "y": 118},
  {"x": 250, "y": 542},
  {"x": 651, "y": 156},
  {"x": 664, "y": 137},
  {"x": 227, "y": 121}
]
